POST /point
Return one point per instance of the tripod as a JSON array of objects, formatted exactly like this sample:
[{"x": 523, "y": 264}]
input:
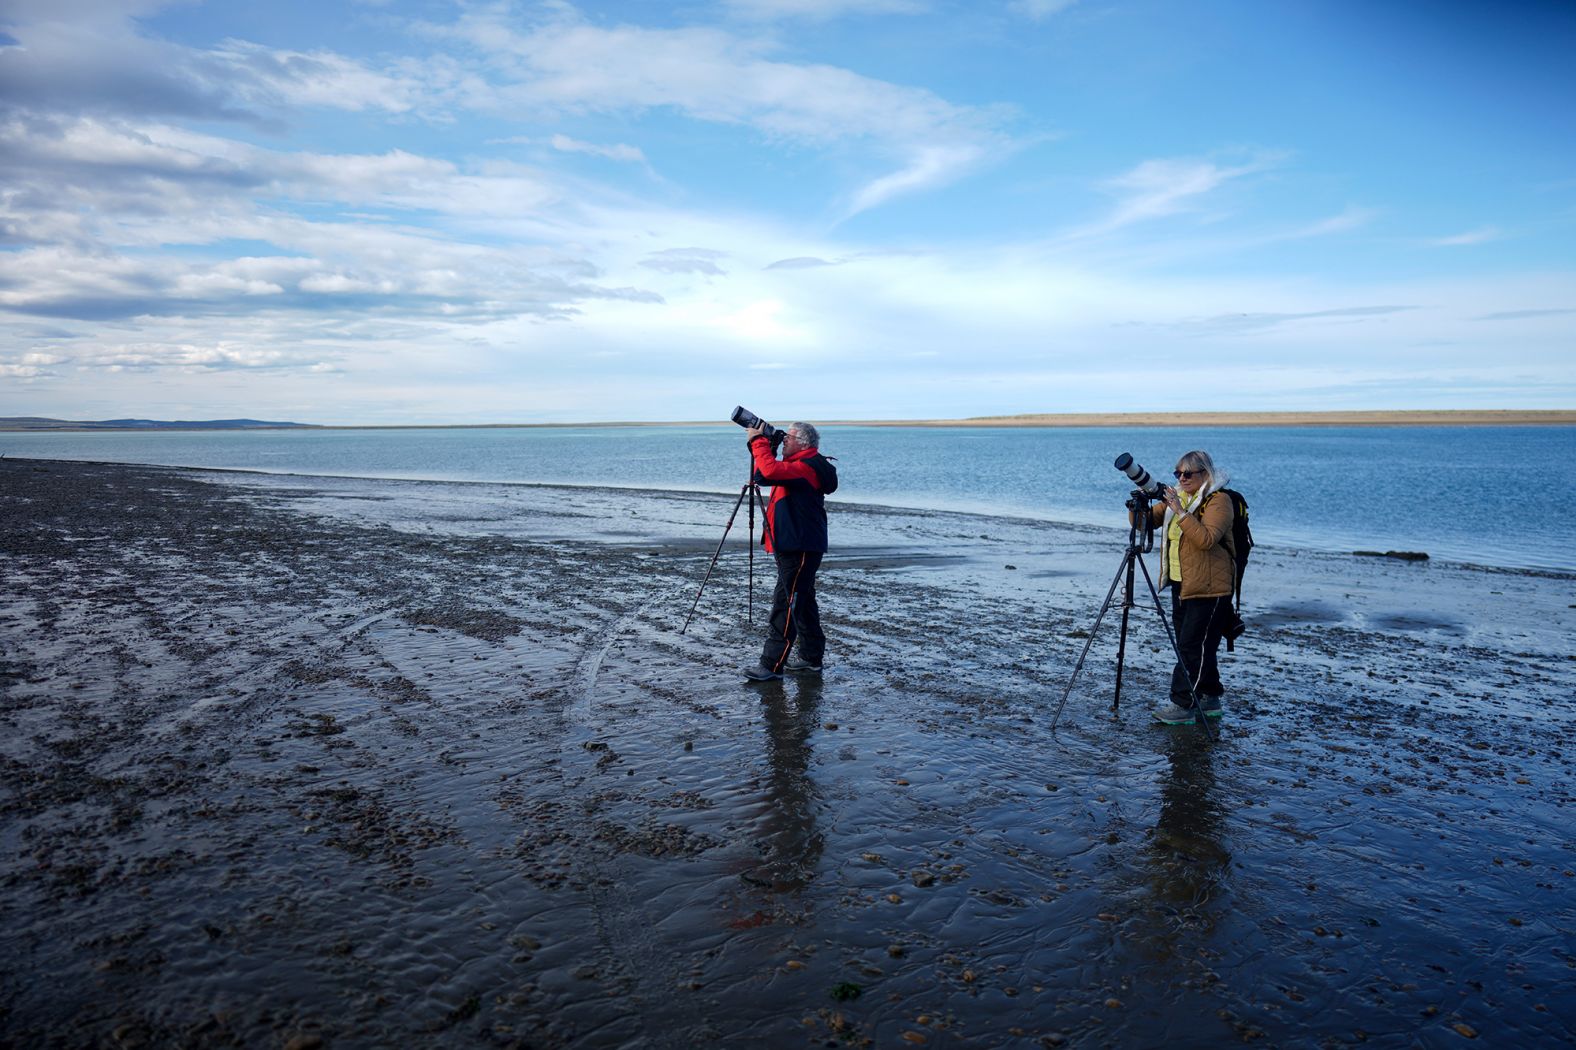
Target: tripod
[
  {"x": 1140, "y": 541},
  {"x": 750, "y": 490}
]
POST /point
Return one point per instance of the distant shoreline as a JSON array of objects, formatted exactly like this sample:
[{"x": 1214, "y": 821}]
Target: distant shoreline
[{"x": 1409, "y": 418}]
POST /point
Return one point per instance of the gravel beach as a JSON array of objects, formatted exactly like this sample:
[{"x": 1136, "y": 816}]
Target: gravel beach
[{"x": 305, "y": 762}]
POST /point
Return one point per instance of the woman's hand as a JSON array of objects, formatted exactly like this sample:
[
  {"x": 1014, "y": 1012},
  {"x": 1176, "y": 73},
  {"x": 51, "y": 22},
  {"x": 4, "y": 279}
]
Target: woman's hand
[{"x": 1172, "y": 501}]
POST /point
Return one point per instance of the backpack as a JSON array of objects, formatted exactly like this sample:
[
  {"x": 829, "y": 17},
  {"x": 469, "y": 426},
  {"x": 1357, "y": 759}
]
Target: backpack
[{"x": 1241, "y": 546}]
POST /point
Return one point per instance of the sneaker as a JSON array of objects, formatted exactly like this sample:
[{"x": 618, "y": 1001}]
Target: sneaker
[
  {"x": 762, "y": 673},
  {"x": 1172, "y": 715},
  {"x": 798, "y": 663},
  {"x": 1212, "y": 708}
]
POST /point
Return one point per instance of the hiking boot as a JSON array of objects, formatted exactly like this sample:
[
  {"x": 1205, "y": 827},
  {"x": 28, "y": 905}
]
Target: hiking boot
[
  {"x": 1212, "y": 708},
  {"x": 762, "y": 673},
  {"x": 800, "y": 664},
  {"x": 1172, "y": 715}
]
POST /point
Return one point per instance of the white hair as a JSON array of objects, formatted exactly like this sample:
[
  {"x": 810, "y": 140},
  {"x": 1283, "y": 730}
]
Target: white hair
[{"x": 808, "y": 436}]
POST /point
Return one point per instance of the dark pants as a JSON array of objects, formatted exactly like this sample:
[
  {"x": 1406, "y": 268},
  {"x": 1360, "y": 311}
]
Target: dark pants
[
  {"x": 1199, "y": 623},
  {"x": 795, "y": 616}
]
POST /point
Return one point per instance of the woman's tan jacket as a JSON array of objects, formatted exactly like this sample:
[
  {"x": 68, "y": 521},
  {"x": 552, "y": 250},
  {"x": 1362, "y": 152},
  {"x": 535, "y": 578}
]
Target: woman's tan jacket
[{"x": 1209, "y": 569}]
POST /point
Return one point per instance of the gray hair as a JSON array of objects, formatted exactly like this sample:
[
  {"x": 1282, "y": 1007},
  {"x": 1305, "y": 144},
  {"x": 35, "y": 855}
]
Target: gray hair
[{"x": 808, "y": 436}]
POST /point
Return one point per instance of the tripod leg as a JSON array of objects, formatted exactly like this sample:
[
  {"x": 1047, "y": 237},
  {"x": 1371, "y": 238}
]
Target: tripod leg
[
  {"x": 714, "y": 555},
  {"x": 749, "y": 608},
  {"x": 1121, "y": 645},
  {"x": 766, "y": 524},
  {"x": 1123, "y": 568},
  {"x": 1198, "y": 707}
]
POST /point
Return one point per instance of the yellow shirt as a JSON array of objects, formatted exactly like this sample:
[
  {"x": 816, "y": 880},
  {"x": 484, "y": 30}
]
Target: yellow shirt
[{"x": 1174, "y": 538}]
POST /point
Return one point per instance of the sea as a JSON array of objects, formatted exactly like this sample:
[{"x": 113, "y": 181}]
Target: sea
[{"x": 1499, "y": 497}]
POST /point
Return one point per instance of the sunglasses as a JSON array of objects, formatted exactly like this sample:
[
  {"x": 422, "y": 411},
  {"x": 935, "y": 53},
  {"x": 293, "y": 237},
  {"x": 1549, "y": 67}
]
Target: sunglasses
[{"x": 1186, "y": 475}]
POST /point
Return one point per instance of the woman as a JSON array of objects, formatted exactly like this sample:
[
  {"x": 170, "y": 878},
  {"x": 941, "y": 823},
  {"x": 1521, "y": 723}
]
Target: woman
[{"x": 1199, "y": 566}]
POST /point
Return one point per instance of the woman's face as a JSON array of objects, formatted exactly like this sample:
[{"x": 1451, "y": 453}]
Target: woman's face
[{"x": 1188, "y": 479}]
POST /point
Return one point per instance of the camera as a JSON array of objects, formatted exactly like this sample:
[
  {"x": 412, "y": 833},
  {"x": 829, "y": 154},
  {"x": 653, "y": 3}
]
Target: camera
[
  {"x": 747, "y": 419},
  {"x": 1140, "y": 477}
]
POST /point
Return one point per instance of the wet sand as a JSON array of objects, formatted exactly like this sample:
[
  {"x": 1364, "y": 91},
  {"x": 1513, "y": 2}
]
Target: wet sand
[{"x": 322, "y": 762}]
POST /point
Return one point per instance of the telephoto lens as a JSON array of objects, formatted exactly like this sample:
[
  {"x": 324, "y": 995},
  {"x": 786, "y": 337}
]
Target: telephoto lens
[
  {"x": 747, "y": 419},
  {"x": 1140, "y": 477}
]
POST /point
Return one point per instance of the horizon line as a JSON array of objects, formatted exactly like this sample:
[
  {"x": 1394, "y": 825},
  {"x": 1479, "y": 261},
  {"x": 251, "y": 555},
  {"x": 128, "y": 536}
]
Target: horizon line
[{"x": 1331, "y": 417}]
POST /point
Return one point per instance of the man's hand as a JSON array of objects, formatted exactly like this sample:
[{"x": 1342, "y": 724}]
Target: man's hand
[{"x": 753, "y": 432}]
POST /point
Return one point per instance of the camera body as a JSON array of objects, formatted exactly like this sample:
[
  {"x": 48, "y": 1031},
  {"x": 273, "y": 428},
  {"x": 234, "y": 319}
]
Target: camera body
[
  {"x": 1140, "y": 477},
  {"x": 747, "y": 419}
]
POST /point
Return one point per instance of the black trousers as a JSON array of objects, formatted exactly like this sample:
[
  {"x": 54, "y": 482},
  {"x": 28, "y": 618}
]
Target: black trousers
[
  {"x": 1199, "y": 623},
  {"x": 795, "y": 615}
]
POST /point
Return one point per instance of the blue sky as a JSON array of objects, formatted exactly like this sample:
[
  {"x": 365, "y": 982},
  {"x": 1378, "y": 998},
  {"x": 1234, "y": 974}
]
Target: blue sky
[{"x": 419, "y": 212}]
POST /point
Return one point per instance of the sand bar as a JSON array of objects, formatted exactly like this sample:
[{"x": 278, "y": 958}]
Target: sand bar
[{"x": 1419, "y": 418}]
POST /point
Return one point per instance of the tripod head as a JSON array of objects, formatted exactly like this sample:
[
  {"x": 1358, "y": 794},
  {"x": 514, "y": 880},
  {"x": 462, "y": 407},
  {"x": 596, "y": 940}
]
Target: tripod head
[{"x": 1138, "y": 508}]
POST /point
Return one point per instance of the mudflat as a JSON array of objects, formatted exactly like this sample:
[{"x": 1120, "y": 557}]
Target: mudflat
[{"x": 325, "y": 762}]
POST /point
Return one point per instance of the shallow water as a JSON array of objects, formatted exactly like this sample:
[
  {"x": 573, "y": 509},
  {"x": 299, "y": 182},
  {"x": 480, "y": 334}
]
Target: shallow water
[
  {"x": 1479, "y": 495},
  {"x": 430, "y": 763}
]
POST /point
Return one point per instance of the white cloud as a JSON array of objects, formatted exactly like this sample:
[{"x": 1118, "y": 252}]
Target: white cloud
[
  {"x": 618, "y": 151},
  {"x": 201, "y": 285},
  {"x": 1039, "y": 9},
  {"x": 1481, "y": 235},
  {"x": 90, "y": 57},
  {"x": 1350, "y": 219},
  {"x": 686, "y": 260},
  {"x": 821, "y": 10},
  {"x": 1158, "y": 188},
  {"x": 570, "y": 67},
  {"x": 274, "y": 77},
  {"x": 930, "y": 166}
]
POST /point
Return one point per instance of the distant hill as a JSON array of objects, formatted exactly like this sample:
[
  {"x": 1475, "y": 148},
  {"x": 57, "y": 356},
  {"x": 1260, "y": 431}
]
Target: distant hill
[{"x": 41, "y": 423}]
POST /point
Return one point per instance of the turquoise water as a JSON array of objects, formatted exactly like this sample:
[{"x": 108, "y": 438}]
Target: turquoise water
[{"x": 1497, "y": 496}]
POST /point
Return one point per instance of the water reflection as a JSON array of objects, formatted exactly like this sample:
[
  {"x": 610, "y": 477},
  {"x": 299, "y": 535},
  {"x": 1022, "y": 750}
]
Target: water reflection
[
  {"x": 1187, "y": 855},
  {"x": 790, "y": 842}
]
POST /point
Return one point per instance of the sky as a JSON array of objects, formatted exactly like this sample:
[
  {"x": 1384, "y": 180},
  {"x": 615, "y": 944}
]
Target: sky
[{"x": 423, "y": 211}]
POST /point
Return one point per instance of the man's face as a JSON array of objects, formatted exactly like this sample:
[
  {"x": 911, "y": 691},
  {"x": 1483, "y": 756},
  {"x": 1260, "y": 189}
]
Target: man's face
[{"x": 791, "y": 444}]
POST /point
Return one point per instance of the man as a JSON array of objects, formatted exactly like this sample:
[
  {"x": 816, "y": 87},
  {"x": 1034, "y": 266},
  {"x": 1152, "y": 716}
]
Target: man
[{"x": 795, "y": 534}]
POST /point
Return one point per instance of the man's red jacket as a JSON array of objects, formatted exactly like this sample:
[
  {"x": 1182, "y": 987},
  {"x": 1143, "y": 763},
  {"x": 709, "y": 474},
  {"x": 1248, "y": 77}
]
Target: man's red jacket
[{"x": 796, "y": 515}]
